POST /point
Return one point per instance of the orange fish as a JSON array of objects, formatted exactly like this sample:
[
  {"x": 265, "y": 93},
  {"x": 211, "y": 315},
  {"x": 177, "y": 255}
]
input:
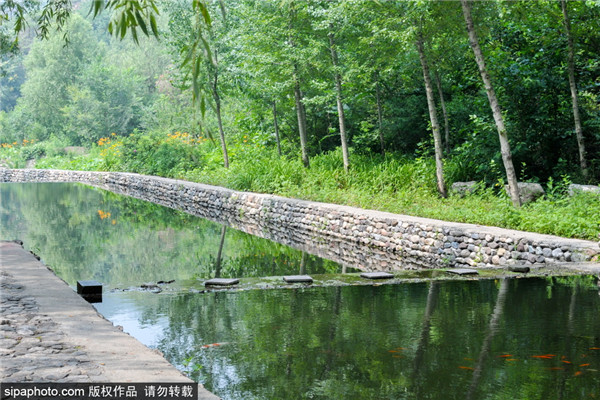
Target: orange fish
[
  {"x": 556, "y": 369},
  {"x": 566, "y": 362},
  {"x": 505, "y": 355},
  {"x": 594, "y": 348},
  {"x": 545, "y": 356},
  {"x": 578, "y": 373},
  {"x": 584, "y": 365},
  {"x": 512, "y": 359},
  {"x": 392, "y": 351},
  {"x": 462, "y": 367}
]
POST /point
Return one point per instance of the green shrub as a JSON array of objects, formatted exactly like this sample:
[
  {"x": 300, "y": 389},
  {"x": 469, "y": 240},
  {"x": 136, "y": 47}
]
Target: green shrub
[{"x": 391, "y": 183}]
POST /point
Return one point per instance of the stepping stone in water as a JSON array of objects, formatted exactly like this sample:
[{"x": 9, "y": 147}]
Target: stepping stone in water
[
  {"x": 90, "y": 290},
  {"x": 463, "y": 271},
  {"x": 376, "y": 275},
  {"x": 298, "y": 279},
  {"x": 221, "y": 282},
  {"x": 89, "y": 287},
  {"x": 519, "y": 268}
]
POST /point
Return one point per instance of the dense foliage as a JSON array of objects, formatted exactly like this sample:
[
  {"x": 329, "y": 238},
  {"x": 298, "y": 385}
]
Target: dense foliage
[{"x": 268, "y": 71}]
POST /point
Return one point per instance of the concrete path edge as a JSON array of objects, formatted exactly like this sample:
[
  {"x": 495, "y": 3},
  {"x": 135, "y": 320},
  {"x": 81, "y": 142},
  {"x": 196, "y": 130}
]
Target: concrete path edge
[{"x": 121, "y": 357}]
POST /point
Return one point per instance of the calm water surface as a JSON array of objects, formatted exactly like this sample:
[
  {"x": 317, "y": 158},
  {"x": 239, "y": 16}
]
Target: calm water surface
[
  {"x": 509, "y": 339},
  {"x": 88, "y": 233}
]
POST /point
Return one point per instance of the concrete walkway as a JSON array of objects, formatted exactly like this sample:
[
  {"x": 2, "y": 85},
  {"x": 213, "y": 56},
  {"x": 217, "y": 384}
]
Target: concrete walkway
[{"x": 48, "y": 333}]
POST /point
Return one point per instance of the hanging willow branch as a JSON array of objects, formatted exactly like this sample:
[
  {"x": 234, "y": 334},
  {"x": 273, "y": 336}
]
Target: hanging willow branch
[{"x": 127, "y": 16}]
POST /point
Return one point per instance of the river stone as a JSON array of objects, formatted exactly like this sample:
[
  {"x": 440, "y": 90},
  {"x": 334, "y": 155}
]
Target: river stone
[
  {"x": 557, "y": 253},
  {"x": 575, "y": 188},
  {"x": 519, "y": 268},
  {"x": 528, "y": 191},
  {"x": 463, "y": 271},
  {"x": 221, "y": 282},
  {"x": 464, "y": 188},
  {"x": 547, "y": 252},
  {"x": 376, "y": 275},
  {"x": 298, "y": 279}
]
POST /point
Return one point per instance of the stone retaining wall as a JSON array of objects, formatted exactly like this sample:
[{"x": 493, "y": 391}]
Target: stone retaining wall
[{"x": 370, "y": 240}]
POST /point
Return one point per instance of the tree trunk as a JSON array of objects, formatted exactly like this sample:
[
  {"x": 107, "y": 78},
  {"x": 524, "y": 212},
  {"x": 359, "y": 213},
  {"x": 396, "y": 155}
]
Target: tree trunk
[
  {"x": 511, "y": 176},
  {"x": 301, "y": 119},
  {"x": 432, "y": 297},
  {"x": 220, "y": 252},
  {"x": 303, "y": 263},
  {"x": 379, "y": 113},
  {"x": 340, "y": 105},
  {"x": 219, "y": 119},
  {"x": 276, "y": 127},
  {"x": 298, "y": 98},
  {"x": 435, "y": 127},
  {"x": 573, "y": 87},
  {"x": 444, "y": 112},
  {"x": 487, "y": 342}
]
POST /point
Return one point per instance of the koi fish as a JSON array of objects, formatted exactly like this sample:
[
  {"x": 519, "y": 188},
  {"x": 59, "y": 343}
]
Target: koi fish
[
  {"x": 512, "y": 359},
  {"x": 544, "y": 356},
  {"x": 556, "y": 369},
  {"x": 584, "y": 365},
  {"x": 505, "y": 355},
  {"x": 594, "y": 348},
  {"x": 463, "y": 367},
  {"x": 566, "y": 362},
  {"x": 578, "y": 373},
  {"x": 206, "y": 346},
  {"x": 392, "y": 351}
]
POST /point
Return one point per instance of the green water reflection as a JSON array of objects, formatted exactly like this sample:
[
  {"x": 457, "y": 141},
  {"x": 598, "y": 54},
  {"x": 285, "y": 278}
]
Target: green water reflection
[
  {"x": 506, "y": 339},
  {"x": 453, "y": 340},
  {"x": 87, "y": 233}
]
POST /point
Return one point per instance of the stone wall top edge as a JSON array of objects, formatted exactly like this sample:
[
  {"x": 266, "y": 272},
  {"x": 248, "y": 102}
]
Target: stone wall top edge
[{"x": 465, "y": 228}]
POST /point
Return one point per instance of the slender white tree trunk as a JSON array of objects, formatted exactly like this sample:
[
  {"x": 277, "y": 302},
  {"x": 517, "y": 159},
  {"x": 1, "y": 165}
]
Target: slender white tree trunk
[
  {"x": 573, "y": 87},
  {"x": 276, "y": 125},
  {"x": 301, "y": 120},
  {"x": 215, "y": 90},
  {"x": 511, "y": 176},
  {"x": 435, "y": 126},
  {"x": 379, "y": 115},
  {"x": 339, "y": 98},
  {"x": 438, "y": 82}
]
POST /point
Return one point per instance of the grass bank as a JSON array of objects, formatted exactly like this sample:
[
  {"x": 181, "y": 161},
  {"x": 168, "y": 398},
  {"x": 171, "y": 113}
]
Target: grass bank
[{"x": 391, "y": 183}]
